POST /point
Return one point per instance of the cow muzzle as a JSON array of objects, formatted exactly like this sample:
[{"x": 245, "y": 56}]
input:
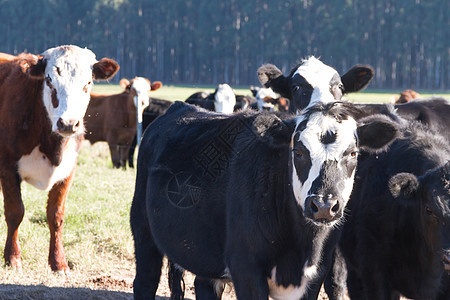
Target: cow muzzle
[
  {"x": 68, "y": 127},
  {"x": 322, "y": 209}
]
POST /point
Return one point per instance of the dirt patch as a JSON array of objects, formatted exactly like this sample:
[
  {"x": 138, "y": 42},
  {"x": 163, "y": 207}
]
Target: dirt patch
[{"x": 107, "y": 282}]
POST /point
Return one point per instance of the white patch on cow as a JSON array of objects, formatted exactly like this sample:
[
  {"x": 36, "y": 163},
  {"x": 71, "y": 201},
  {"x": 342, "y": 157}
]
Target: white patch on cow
[
  {"x": 310, "y": 272},
  {"x": 69, "y": 69},
  {"x": 291, "y": 292},
  {"x": 318, "y": 76},
  {"x": 261, "y": 95},
  {"x": 142, "y": 88},
  {"x": 225, "y": 99},
  {"x": 317, "y": 126},
  {"x": 36, "y": 169}
]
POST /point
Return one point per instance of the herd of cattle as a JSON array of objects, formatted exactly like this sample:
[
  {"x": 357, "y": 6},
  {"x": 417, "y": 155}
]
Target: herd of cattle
[{"x": 279, "y": 193}]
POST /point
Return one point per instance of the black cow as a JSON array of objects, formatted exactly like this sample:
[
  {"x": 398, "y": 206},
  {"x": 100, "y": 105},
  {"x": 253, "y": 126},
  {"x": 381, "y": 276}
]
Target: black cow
[
  {"x": 156, "y": 108},
  {"x": 223, "y": 91},
  {"x": 247, "y": 196},
  {"x": 313, "y": 81},
  {"x": 399, "y": 220},
  {"x": 433, "y": 112}
]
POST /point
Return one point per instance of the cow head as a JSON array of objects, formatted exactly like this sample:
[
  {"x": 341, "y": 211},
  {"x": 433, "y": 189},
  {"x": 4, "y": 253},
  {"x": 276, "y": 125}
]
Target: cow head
[
  {"x": 314, "y": 81},
  {"x": 324, "y": 153},
  {"x": 431, "y": 194},
  {"x": 265, "y": 97},
  {"x": 68, "y": 73},
  {"x": 224, "y": 99},
  {"x": 139, "y": 88}
]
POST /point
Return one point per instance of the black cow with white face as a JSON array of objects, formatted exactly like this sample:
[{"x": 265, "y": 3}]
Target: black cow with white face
[
  {"x": 247, "y": 197},
  {"x": 396, "y": 239},
  {"x": 313, "y": 81}
]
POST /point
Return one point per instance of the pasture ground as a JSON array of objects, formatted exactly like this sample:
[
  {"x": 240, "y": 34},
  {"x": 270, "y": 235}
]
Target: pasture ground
[{"x": 97, "y": 235}]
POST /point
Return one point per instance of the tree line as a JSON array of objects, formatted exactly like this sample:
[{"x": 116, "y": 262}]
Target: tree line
[{"x": 210, "y": 42}]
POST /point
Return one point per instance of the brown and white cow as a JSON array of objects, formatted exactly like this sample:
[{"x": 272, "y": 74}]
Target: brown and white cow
[
  {"x": 112, "y": 118},
  {"x": 42, "y": 103}
]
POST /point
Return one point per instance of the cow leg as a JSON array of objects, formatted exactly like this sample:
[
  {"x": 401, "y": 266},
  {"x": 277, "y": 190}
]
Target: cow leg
[
  {"x": 176, "y": 282},
  {"x": 123, "y": 154},
  {"x": 55, "y": 218},
  {"x": 248, "y": 278},
  {"x": 131, "y": 152},
  {"x": 206, "y": 288},
  {"x": 148, "y": 257},
  {"x": 14, "y": 212},
  {"x": 115, "y": 155}
]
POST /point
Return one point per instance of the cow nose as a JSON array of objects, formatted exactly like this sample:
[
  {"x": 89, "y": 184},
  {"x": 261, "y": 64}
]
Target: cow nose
[
  {"x": 67, "y": 127},
  {"x": 323, "y": 209}
]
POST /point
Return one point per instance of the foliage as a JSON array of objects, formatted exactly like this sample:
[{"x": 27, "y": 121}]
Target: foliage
[{"x": 209, "y": 42}]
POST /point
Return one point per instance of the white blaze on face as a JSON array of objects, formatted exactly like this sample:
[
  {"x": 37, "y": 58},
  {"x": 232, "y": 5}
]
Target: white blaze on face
[
  {"x": 319, "y": 76},
  {"x": 262, "y": 94},
  {"x": 225, "y": 99},
  {"x": 142, "y": 88},
  {"x": 68, "y": 74},
  {"x": 310, "y": 137}
]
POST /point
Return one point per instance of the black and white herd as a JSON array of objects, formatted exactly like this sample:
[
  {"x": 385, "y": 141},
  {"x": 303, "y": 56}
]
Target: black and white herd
[{"x": 260, "y": 198}]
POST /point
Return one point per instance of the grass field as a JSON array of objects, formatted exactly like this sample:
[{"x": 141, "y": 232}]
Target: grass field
[{"x": 97, "y": 236}]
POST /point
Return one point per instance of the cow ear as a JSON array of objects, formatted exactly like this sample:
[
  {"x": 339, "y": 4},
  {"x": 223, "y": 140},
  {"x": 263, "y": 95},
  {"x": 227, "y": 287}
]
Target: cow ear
[
  {"x": 125, "y": 83},
  {"x": 403, "y": 184},
  {"x": 273, "y": 130},
  {"x": 376, "y": 133},
  {"x": 270, "y": 76},
  {"x": 357, "y": 78},
  {"x": 156, "y": 85},
  {"x": 36, "y": 69},
  {"x": 254, "y": 90},
  {"x": 105, "y": 69}
]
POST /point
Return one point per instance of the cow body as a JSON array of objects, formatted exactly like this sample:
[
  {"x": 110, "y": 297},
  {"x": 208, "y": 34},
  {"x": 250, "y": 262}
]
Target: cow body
[
  {"x": 42, "y": 104},
  {"x": 112, "y": 118},
  {"x": 399, "y": 220},
  {"x": 268, "y": 223},
  {"x": 312, "y": 81}
]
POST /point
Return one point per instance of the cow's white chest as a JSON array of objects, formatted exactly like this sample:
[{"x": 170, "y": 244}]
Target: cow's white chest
[
  {"x": 36, "y": 169},
  {"x": 279, "y": 292}
]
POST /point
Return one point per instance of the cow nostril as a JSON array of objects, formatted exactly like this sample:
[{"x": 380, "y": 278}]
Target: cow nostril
[
  {"x": 335, "y": 208},
  {"x": 314, "y": 208},
  {"x": 60, "y": 123}
]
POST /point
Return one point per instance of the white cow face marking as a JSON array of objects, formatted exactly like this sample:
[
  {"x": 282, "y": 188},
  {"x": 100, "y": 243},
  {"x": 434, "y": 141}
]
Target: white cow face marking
[
  {"x": 141, "y": 87},
  {"x": 324, "y": 157},
  {"x": 262, "y": 95},
  {"x": 67, "y": 86},
  {"x": 225, "y": 99},
  {"x": 315, "y": 82}
]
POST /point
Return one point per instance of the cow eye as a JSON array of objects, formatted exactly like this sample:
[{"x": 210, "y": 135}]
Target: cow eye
[
  {"x": 298, "y": 154},
  {"x": 341, "y": 86},
  {"x": 353, "y": 154},
  {"x": 48, "y": 79},
  {"x": 295, "y": 88},
  {"x": 429, "y": 211}
]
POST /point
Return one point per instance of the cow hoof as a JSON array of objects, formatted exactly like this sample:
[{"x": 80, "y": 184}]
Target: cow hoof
[
  {"x": 63, "y": 273},
  {"x": 14, "y": 263}
]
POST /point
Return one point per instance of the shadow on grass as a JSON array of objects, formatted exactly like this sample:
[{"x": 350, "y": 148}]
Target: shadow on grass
[{"x": 41, "y": 292}]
